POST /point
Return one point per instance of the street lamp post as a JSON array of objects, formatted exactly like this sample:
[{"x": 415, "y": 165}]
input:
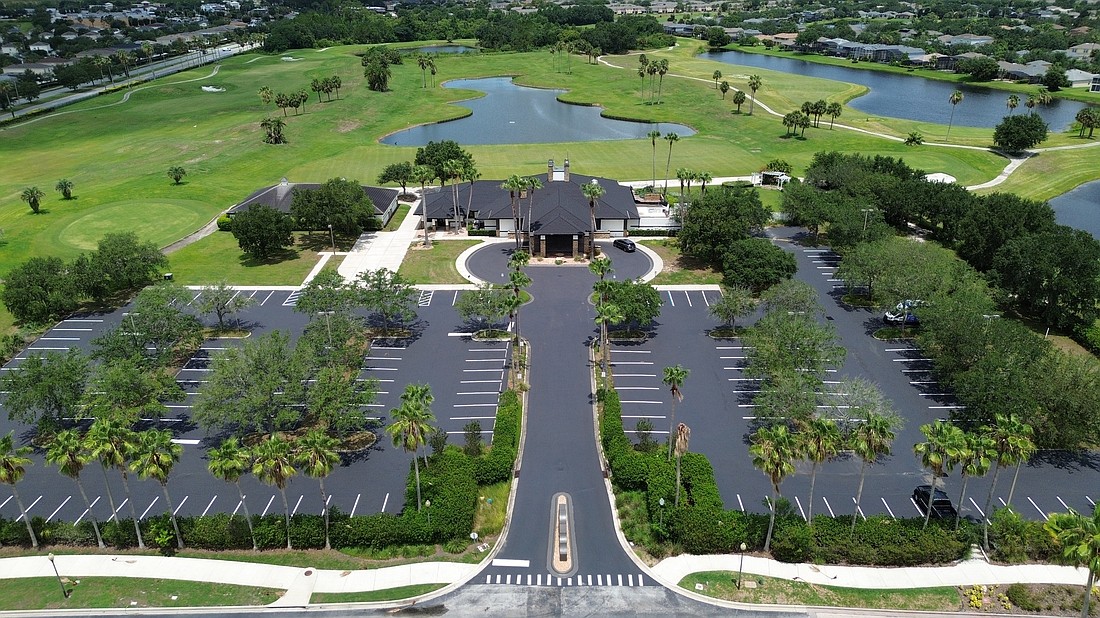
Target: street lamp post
[
  {"x": 428, "y": 508},
  {"x": 332, "y": 237},
  {"x": 866, "y": 213},
  {"x": 64, "y": 590},
  {"x": 741, "y": 567},
  {"x": 661, "y": 502},
  {"x": 328, "y": 324}
]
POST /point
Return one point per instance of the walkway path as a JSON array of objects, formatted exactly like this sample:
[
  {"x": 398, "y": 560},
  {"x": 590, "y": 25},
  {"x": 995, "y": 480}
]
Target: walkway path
[{"x": 375, "y": 250}]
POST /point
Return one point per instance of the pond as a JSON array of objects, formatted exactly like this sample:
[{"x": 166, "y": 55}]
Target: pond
[
  {"x": 1080, "y": 208},
  {"x": 445, "y": 49},
  {"x": 511, "y": 114},
  {"x": 911, "y": 97}
]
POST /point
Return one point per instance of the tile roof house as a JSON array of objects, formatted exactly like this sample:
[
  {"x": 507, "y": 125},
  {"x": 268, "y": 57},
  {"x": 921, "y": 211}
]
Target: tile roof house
[
  {"x": 280, "y": 196},
  {"x": 555, "y": 219}
]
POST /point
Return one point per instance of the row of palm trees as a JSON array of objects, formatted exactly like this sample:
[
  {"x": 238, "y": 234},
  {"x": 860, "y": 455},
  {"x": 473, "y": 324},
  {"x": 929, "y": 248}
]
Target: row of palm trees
[
  {"x": 152, "y": 454},
  {"x": 671, "y": 138},
  {"x": 651, "y": 68}
]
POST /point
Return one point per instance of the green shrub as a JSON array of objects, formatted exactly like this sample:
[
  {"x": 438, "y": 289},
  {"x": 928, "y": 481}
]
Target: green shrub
[
  {"x": 473, "y": 232},
  {"x": 1020, "y": 596},
  {"x": 1015, "y": 539},
  {"x": 884, "y": 541},
  {"x": 669, "y": 233},
  {"x": 456, "y": 546},
  {"x": 1089, "y": 336},
  {"x": 793, "y": 542},
  {"x": 225, "y": 223},
  {"x": 497, "y": 465}
]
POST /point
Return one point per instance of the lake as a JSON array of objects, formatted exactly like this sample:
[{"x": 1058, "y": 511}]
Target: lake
[
  {"x": 910, "y": 97},
  {"x": 511, "y": 114},
  {"x": 445, "y": 49},
  {"x": 1080, "y": 208}
]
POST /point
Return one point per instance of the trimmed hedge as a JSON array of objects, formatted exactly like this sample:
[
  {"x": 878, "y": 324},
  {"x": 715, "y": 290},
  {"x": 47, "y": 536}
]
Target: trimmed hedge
[
  {"x": 670, "y": 233},
  {"x": 473, "y": 232},
  {"x": 496, "y": 466}
]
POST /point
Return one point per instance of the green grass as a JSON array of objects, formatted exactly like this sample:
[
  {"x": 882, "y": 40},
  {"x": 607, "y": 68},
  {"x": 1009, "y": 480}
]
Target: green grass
[
  {"x": 398, "y": 217},
  {"x": 489, "y": 519},
  {"x": 722, "y": 585},
  {"x": 218, "y": 257},
  {"x": 435, "y": 265},
  {"x": 123, "y": 592},
  {"x": 389, "y": 594},
  {"x": 680, "y": 270}
]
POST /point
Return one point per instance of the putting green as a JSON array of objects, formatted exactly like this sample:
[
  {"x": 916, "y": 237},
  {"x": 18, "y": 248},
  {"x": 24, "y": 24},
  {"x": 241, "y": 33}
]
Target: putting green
[{"x": 158, "y": 220}]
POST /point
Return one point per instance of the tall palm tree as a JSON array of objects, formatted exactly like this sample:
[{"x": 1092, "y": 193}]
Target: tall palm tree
[
  {"x": 469, "y": 174},
  {"x": 68, "y": 452},
  {"x": 593, "y": 191},
  {"x": 518, "y": 279},
  {"x": 653, "y": 136},
  {"x": 452, "y": 169},
  {"x": 870, "y": 440},
  {"x": 974, "y": 460},
  {"x": 1043, "y": 96},
  {"x": 113, "y": 445},
  {"x": 315, "y": 454},
  {"x": 422, "y": 62},
  {"x": 33, "y": 197},
  {"x": 1079, "y": 539},
  {"x": 273, "y": 464},
  {"x": 412, "y": 425},
  {"x": 674, "y": 378},
  {"x": 662, "y": 69},
  {"x": 724, "y": 88},
  {"x": 266, "y": 95},
  {"x": 833, "y": 111},
  {"x": 754, "y": 84},
  {"x": 818, "y": 441},
  {"x": 13, "y": 466},
  {"x": 1031, "y": 102},
  {"x": 1013, "y": 103},
  {"x": 1012, "y": 445},
  {"x": 424, "y": 174},
  {"x": 607, "y": 313},
  {"x": 680, "y": 439},
  {"x": 716, "y": 75},
  {"x": 533, "y": 184},
  {"x": 65, "y": 188},
  {"x": 773, "y": 451},
  {"x": 944, "y": 445},
  {"x": 671, "y": 138},
  {"x": 229, "y": 462},
  {"x": 514, "y": 184},
  {"x": 154, "y": 458},
  {"x": 955, "y": 98},
  {"x": 683, "y": 174},
  {"x": 704, "y": 179}
]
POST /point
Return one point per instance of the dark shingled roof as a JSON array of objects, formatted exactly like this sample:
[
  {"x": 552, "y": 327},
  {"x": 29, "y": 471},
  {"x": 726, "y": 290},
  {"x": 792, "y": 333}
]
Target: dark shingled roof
[
  {"x": 559, "y": 207},
  {"x": 279, "y": 197}
]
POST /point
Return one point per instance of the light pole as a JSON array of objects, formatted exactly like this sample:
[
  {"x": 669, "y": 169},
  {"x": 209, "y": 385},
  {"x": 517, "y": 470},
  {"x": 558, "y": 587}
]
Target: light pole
[
  {"x": 332, "y": 237},
  {"x": 428, "y": 509},
  {"x": 741, "y": 567},
  {"x": 64, "y": 590},
  {"x": 328, "y": 324},
  {"x": 661, "y": 502},
  {"x": 866, "y": 213}
]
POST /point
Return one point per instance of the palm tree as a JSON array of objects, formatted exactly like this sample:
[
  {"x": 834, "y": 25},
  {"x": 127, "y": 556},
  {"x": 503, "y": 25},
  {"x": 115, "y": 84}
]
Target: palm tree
[
  {"x": 316, "y": 456},
  {"x": 424, "y": 174},
  {"x": 518, "y": 279},
  {"x": 1031, "y": 102},
  {"x": 1043, "y": 97},
  {"x": 974, "y": 460},
  {"x": 1079, "y": 539},
  {"x": 336, "y": 83},
  {"x": 703, "y": 178},
  {"x": 819, "y": 441},
  {"x": 1011, "y": 444},
  {"x": 65, "y": 187},
  {"x": 684, "y": 175},
  {"x": 452, "y": 169},
  {"x": 1013, "y": 103},
  {"x": 422, "y": 62},
  {"x": 671, "y": 138},
  {"x": 674, "y": 378},
  {"x": 641, "y": 73},
  {"x": 514, "y": 184},
  {"x": 833, "y": 111},
  {"x": 266, "y": 95},
  {"x": 68, "y": 452},
  {"x": 944, "y": 446},
  {"x": 653, "y": 136},
  {"x": 33, "y": 197},
  {"x": 717, "y": 75},
  {"x": 469, "y": 174},
  {"x": 724, "y": 87},
  {"x": 113, "y": 445},
  {"x": 176, "y": 173},
  {"x": 773, "y": 451},
  {"x": 662, "y": 68},
  {"x": 317, "y": 86},
  {"x": 412, "y": 424},
  {"x": 272, "y": 463},
  {"x": 533, "y": 184},
  {"x": 870, "y": 440},
  {"x": 154, "y": 458},
  {"x": 754, "y": 84},
  {"x": 955, "y": 98},
  {"x": 593, "y": 191},
  {"x": 739, "y": 99},
  {"x": 680, "y": 440},
  {"x": 13, "y": 466},
  {"x": 607, "y": 313},
  {"x": 229, "y": 462}
]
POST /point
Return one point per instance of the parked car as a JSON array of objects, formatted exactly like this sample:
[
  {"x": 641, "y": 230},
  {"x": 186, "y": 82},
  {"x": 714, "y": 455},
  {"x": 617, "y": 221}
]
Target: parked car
[
  {"x": 941, "y": 504},
  {"x": 625, "y": 244},
  {"x": 903, "y": 313}
]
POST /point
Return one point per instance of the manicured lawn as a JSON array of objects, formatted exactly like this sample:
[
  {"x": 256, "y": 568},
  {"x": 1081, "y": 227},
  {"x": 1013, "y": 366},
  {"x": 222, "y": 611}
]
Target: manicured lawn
[
  {"x": 492, "y": 506},
  {"x": 218, "y": 257},
  {"x": 680, "y": 270},
  {"x": 126, "y": 592},
  {"x": 435, "y": 265},
  {"x": 390, "y": 594},
  {"x": 397, "y": 218},
  {"x": 722, "y": 585}
]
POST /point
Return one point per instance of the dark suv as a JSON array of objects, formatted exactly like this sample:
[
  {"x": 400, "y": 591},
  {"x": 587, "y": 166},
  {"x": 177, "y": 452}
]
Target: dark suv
[
  {"x": 941, "y": 504},
  {"x": 625, "y": 244}
]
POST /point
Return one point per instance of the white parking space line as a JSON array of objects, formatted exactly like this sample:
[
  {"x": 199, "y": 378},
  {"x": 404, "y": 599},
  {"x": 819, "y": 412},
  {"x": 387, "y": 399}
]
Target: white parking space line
[
  {"x": 471, "y": 418},
  {"x": 82, "y": 320},
  {"x": 976, "y": 507},
  {"x": 266, "y": 298},
  {"x": 473, "y": 393},
  {"x": 1059, "y": 498},
  {"x": 946, "y": 407},
  {"x": 635, "y": 388},
  {"x": 72, "y": 330},
  {"x": 831, "y": 513},
  {"x": 146, "y": 511},
  {"x": 45, "y": 348},
  {"x": 485, "y": 360},
  {"x": 688, "y": 297},
  {"x": 923, "y": 382},
  {"x": 5, "y": 502},
  {"x": 296, "y": 505},
  {"x": 504, "y": 350},
  {"x": 474, "y": 405},
  {"x": 911, "y": 360},
  {"x": 391, "y": 358},
  {"x": 180, "y": 505},
  {"x": 386, "y": 500},
  {"x": 90, "y": 507},
  {"x": 59, "y": 508},
  {"x": 643, "y": 402},
  {"x": 479, "y": 382},
  {"x": 935, "y": 394},
  {"x": 272, "y": 499},
  {"x": 644, "y": 416},
  {"x": 59, "y": 338},
  {"x": 1045, "y": 518},
  {"x": 373, "y": 369},
  {"x": 631, "y": 351},
  {"x": 355, "y": 504},
  {"x": 209, "y": 505},
  {"x": 619, "y": 363},
  {"x": 381, "y": 347},
  {"x": 705, "y": 300},
  {"x": 670, "y": 299},
  {"x": 898, "y": 349},
  {"x": 913, "y": 502},
  {"x": 500, "y": 371},
  {"x": 238, "y": 507},
  {"x": 635, "y": 375},
  {"x": 1091, "y": 501}
]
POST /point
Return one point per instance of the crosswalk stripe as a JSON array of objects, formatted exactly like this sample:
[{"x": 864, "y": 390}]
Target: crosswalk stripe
[
  {"x": 630, "y": 579},
  {"x": 640, "y": 581}
]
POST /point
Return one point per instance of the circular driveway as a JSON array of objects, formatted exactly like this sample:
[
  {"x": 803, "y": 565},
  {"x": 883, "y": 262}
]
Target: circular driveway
[{"x": 490, "y": 262}]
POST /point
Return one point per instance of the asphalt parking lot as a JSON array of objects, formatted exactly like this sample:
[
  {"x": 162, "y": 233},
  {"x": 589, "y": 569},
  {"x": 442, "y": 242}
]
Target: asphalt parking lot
[{"x": 466, "y": 377}]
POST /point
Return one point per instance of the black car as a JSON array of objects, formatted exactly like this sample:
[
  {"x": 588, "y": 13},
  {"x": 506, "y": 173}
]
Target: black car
[
  {"x": 941, "y": 504},
  {"x": 625, "y": 244}
]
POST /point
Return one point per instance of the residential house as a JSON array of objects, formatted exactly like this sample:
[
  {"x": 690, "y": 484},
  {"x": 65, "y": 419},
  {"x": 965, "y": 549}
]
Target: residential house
[
  {"x": 973, "y": 40},
  {"x": 1082, "y": 51},
  {"x": 1095, "y": 86},
  {"x": 280, "y": 196},
  {"x": 1079, "y": 79}
]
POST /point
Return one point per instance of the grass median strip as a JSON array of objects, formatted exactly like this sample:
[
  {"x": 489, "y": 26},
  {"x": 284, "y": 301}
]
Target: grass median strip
[
  {"x": 389, "y": 594},
  {"x": 102, "y": 592},
  {"x": 772, "y": 591},
  {"x": 435, "y": 265}
]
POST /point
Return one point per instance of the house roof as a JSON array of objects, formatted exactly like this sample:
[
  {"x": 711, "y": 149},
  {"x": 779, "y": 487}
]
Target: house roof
[
  {"x": 559, "y": 207},
  {"x": 280, "y": 196}
]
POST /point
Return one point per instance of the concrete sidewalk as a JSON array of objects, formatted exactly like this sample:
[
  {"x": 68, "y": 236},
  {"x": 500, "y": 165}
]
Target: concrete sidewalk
[{"x": 375, "y": 250}]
